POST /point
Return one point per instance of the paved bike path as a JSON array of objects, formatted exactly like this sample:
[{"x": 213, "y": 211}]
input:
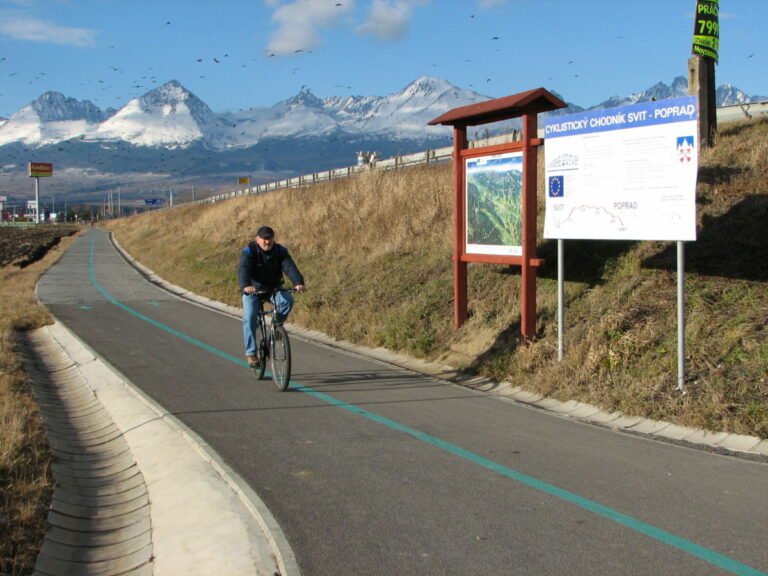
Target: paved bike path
[{"x": 370, "y": 469}]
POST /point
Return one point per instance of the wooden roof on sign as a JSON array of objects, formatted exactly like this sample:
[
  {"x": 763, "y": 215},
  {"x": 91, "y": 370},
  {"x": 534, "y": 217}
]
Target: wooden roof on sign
[{"x": 498, "y": 109}]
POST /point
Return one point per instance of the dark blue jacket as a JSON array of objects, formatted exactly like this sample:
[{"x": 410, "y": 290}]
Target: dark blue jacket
[{"x": 264, "y": 270}]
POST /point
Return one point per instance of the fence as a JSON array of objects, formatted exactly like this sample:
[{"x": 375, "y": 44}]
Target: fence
[{"x": 426, "y": 157}]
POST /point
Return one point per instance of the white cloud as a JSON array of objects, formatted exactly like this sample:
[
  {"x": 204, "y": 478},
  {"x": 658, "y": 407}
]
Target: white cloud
[
  {"x": 299, "y": 22},
  {"x": 34, "y": 30},
  {"x": 388, "y": 19}
]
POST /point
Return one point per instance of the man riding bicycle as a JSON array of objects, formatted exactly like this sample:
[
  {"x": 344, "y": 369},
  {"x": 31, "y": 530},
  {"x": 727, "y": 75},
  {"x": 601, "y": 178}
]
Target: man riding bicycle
[{"x": 262, "y": 265}]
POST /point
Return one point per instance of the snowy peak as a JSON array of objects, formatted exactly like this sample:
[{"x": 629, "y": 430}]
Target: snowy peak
[
  {"x": 169, "y": 116},
  {"x": 658, "y": 91},
  {"x": 51, "y": 118},
  {"x": 172, "y": 96},
  {"x": 426, "y": 87},
  {"x": 729, "y": 95},
  {"x": 305, "y": 98},
  {"x": 55, "y": 107}
]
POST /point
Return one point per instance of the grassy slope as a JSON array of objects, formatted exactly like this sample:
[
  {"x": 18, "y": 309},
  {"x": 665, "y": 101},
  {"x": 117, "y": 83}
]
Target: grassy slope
[
  {"x": 376, "y": 251},
  {"x": 26, "y": 483}
]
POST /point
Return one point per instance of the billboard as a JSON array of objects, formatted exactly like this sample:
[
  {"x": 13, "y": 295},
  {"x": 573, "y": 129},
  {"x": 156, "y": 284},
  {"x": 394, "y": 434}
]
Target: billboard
[{"x": 40, "y": 169}]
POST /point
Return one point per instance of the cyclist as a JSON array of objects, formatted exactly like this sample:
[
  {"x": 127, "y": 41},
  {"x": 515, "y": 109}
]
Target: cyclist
[{"x": 262, "y": 265}]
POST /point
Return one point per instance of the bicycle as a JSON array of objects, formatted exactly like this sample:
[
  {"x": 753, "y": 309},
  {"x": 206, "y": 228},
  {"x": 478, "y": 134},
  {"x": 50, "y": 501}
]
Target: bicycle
[{"x": 272, "y": 343}]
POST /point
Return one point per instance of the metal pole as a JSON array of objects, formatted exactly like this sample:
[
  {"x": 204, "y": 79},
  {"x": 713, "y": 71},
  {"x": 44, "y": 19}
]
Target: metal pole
[
  {"x": 560, "y": 298},
  {"x": 37, "y": 200},
  {"x": 680, "y": 316}
]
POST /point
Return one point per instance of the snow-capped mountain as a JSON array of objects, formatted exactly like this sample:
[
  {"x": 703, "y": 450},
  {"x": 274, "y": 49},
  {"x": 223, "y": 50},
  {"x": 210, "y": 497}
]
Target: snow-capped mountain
[
  {"x": 172, "y": 117},
  {"x": 51, "y": 118},
  {"x": 169, "y": 116},
  {"x": 658, "y": 91},
  {"x": 170, "y": 134}
]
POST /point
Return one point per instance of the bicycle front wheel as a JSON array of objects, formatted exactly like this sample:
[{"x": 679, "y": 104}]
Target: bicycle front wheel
[{"x": 280, "y": 358}]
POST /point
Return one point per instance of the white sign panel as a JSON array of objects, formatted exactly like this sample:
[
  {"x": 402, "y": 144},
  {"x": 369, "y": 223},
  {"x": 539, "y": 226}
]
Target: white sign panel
[{"x": 625, "y": 173}]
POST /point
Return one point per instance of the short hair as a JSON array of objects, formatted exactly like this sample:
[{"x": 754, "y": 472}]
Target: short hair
[{"x": 265, "y": 232}]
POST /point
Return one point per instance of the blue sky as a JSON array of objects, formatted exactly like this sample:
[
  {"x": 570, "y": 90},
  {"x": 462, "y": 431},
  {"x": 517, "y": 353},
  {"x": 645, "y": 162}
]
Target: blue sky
[{"x": 237, "y": 54}]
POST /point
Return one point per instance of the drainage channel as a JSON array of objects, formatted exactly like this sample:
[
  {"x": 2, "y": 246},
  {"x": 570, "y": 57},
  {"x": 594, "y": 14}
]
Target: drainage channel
[{"x": 99, "y": 520}]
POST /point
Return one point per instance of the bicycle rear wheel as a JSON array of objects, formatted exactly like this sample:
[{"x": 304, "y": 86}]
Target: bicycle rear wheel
[
  {"x": 261, "y": 352},
  {"x": 280, "y": 358}
]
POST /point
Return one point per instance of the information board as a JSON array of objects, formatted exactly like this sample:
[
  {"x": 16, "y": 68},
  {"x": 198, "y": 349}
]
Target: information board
[
  {"x": 626, "y": 173},
  {"x": 494, "y": 204}
]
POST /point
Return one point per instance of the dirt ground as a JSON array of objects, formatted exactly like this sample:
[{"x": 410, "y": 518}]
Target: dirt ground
[{"x": 22, "y": 245}]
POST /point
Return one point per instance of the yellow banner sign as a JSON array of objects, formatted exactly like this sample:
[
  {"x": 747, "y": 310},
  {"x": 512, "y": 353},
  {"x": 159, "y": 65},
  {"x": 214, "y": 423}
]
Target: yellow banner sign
[{"x": 40, "y": 169}]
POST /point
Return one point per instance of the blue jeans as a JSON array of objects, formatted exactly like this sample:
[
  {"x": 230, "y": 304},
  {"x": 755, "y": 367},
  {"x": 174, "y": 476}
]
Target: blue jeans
[{"x": 283, "y": 302}]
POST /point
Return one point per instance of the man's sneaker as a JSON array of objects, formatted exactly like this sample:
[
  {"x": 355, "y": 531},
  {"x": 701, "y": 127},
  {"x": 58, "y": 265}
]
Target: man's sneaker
[{"x": 253, "y": 362}]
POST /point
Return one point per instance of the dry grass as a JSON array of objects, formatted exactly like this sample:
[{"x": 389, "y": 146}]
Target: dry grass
[
  {"x": 25, "y": 481},
  {"x": 376, "y": 251}
]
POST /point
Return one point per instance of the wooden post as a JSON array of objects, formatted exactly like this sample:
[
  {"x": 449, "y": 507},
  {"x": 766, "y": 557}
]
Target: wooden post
[
  {"x": 701, "y": 83},
  {"x": 459, "y": 234},
  {"x": 528, "y": 272}
]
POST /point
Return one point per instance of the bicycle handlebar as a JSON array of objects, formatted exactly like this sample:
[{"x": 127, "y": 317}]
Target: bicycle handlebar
[{"x": 271, "y": 291}]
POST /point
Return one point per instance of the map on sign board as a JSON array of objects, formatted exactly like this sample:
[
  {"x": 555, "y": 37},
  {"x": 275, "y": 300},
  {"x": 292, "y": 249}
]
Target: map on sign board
[
  {"x": 625, "y": 173},
  {"x": 494, "y": 204}
]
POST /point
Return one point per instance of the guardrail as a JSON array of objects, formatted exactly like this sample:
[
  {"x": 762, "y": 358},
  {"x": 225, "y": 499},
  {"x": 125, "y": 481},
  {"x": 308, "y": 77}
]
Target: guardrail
[
  {"x": 725, "y": 114},
  {"x": 429, "y": 156}
]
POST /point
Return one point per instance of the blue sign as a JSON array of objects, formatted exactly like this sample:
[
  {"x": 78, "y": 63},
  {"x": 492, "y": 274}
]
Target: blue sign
[{"x": 683, "y": 109}]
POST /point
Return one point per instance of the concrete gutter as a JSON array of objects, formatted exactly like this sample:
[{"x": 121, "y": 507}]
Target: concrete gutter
[{"x": 137, "y": 491}]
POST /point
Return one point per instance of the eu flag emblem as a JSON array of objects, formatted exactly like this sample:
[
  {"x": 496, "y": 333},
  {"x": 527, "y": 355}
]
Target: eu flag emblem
[{"x": 556, "y": 187}]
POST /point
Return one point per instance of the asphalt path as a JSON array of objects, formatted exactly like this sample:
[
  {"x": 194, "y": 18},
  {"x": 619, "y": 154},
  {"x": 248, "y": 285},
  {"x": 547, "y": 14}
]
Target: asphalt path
[{"x": 374, "y": 470}]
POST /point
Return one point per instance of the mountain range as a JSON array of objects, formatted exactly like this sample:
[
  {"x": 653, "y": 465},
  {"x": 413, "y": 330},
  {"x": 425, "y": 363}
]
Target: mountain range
[{"x": 169, "y": 138}]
